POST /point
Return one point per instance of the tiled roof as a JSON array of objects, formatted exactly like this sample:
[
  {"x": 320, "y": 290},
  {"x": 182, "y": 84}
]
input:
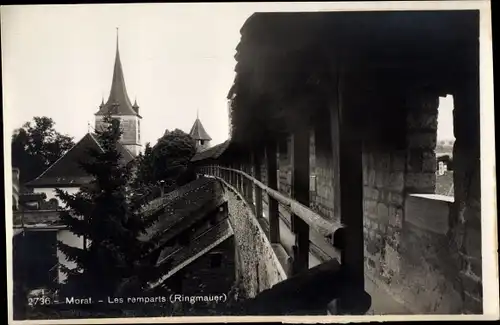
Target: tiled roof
[
  {"x": 183, "y": 207},
  {"x": 118, "y": 102},
  {"x": 196, "y": 248},
  {"x": 198, "y": 131},
  {"x": 67, "y": 171},
  {"x": 211, "y": 153}
]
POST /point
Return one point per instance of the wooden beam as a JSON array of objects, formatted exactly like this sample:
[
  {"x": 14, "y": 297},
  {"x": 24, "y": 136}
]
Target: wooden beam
[
  {"x": 300, "y": 193},
  {"x": 351, "y": 185},
  {"x": 320, "y": 224},
  {"x": 272, "y": 183}
]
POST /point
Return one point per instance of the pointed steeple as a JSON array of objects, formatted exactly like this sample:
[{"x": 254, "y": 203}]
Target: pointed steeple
[
  {"x": 118, "y": 98},
  {"x": 198, "y": 131}
]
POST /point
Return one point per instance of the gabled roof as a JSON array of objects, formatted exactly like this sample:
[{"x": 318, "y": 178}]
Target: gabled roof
[
  {"x": 118, "y": 102},
  {"x": 66, "y": 171},
  {"x": 211, "y": 153},
  {"x": 198, "y": 131}
]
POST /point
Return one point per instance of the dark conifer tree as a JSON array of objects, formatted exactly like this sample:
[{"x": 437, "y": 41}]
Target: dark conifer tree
[{"x": 114, "y": 257}]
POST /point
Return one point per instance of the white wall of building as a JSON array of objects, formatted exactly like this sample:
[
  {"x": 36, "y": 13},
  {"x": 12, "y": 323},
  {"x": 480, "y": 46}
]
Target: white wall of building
[
  {"x": 70, "y": 239},
  {"x": 50, "y": 192}
]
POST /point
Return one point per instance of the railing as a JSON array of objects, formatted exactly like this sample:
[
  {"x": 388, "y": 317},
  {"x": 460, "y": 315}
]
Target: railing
[{"x": 246, "y": 185}]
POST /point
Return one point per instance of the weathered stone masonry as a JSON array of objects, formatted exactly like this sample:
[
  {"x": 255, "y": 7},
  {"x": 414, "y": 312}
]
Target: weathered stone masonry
[
  {"x": 424, "y": 249},
  {"x": 257, "y": 265},
  {"x": 418, "y": 265}
]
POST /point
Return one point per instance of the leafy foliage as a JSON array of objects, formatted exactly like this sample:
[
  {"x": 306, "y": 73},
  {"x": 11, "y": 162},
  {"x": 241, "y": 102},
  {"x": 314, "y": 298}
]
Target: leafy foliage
[
  {"x": 36, "y": 146},
  {"x": 114, "y": 259},
  {"x": 167, "y": 161}
]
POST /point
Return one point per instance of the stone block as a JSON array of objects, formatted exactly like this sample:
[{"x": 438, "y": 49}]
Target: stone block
[
  {"x": 429, "y": 161},
  {"x": 395, "y": 198},
  {"x": 420, "y": 182},
  {"x": 371, "y": 263},
  {"x": 372, "y": 206},
  {"x": 414, "y": 160},
  {"x": 429, "y": 166},
  {"x": 366, "y": 191},
  {"x": 382, "y": 211},
  {"x": 384, "y": 162},
  {"x": 373, "y": 246},
  {"x": 379, "y": 181},
  {"x": 422, "y": 140},
  {"x": 371, "y": 178},
  {"x": 395, "y": 216},
  {"x": 396, "y": 181}
]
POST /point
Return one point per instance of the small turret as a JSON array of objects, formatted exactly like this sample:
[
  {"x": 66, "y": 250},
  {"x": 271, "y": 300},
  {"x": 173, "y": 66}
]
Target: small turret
[{"x": 199, "y": 134}]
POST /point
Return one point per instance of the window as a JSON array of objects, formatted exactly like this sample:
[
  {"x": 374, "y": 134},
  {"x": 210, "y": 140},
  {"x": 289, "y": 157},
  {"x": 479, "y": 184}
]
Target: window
[
  {"x": 138, "y": 130},
  {"x": 444, "y": 147},
  {"x": 202, "y": 142}
]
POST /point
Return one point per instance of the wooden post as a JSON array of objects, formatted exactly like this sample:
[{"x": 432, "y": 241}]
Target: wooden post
[
  {"x": 272, "y": 182},
  {"x": 350, "y": 169},
  {"x": 300, "y": 193},
  {"x": 258, "y": 191},
  {"x": 246, "y": 183},
  {"x": 251, "y": 185},
  {"x": 240, "y": 179}
]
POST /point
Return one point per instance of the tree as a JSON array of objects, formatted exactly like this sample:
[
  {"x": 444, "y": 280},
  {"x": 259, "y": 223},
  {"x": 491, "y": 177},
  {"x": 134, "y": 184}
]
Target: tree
[
  {"x": 145, "y": 169},
  {"x": 113, "y": 257},
  {"x": 36, "y": 146},
  {"x": 168, "y": 161},
  {"x": 172, "y": 155}
]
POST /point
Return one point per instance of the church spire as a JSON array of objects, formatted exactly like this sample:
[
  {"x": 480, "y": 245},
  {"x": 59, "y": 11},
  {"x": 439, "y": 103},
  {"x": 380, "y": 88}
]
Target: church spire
[{"x": 118, "y": 98}]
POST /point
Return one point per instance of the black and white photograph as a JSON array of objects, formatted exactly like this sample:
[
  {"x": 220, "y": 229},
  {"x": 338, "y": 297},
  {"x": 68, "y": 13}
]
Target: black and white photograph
[{"x": 256, "y": 161}]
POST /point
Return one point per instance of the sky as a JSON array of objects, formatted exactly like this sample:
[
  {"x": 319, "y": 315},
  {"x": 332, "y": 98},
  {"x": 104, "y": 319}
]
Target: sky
[{"x": 177, "y": 60}]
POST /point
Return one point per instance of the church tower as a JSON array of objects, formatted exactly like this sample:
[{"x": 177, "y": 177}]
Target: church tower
[
  {"x": 199, "y": 135},
  {"x": 120, "y": 107}
]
